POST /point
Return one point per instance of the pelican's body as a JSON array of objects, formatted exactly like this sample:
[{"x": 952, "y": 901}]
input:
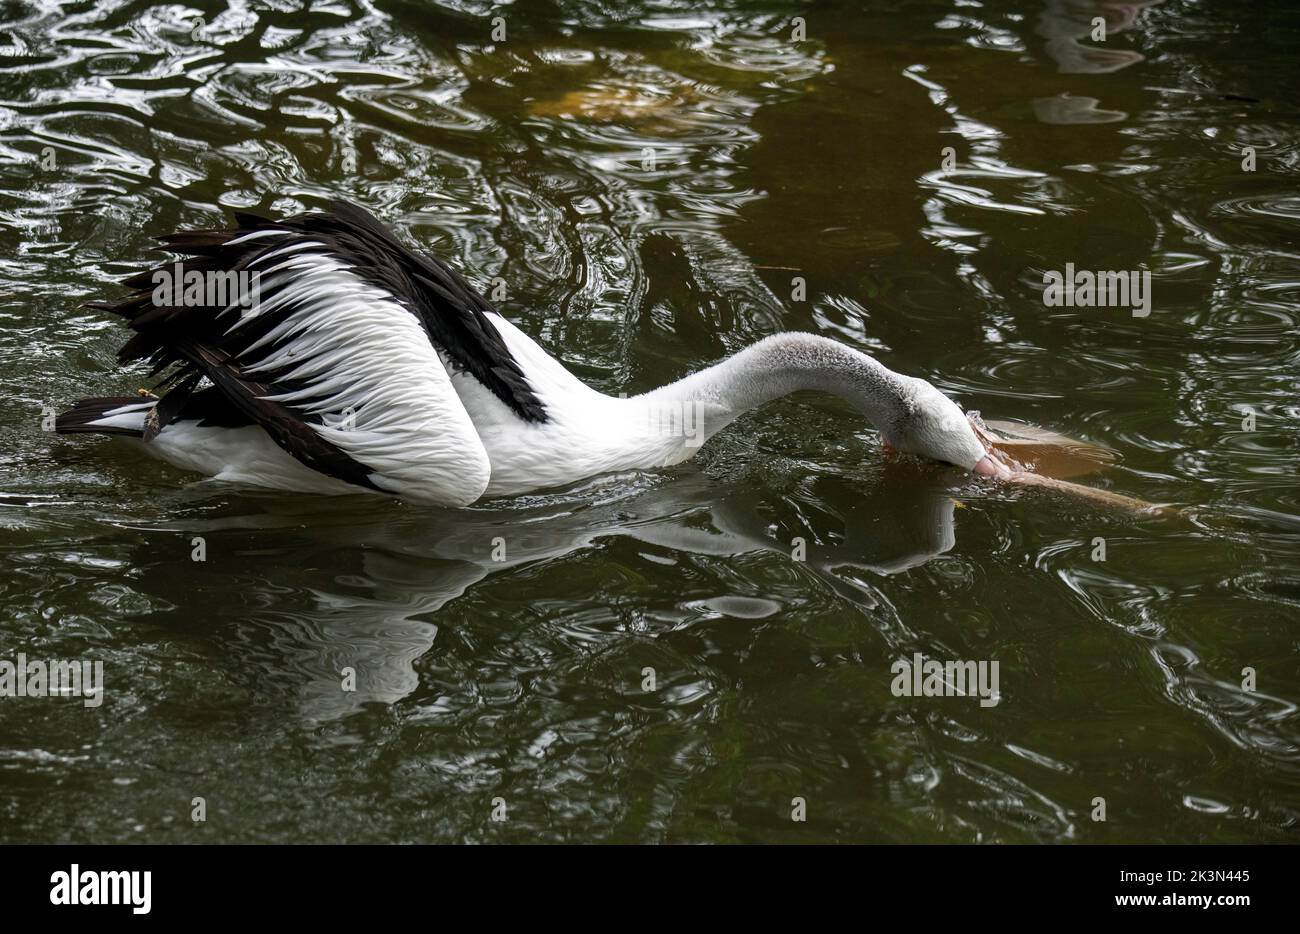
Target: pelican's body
[{"x": 359, "y": 365}]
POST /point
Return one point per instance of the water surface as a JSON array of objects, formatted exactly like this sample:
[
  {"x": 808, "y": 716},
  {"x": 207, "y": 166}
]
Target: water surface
[{"x": 649, "y": 180}]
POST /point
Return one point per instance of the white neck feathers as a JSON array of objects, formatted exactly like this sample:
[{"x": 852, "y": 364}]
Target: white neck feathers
[{"x": 775, "y": 367}]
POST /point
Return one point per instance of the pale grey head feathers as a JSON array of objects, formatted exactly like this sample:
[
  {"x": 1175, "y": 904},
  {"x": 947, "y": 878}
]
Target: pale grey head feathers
[{"x": 935, "y": 427}]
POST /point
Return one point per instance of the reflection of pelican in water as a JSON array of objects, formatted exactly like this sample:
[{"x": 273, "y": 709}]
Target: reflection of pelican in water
[
  {"x": 1071, "y": 109},
  {"x": 359, "y": 584},
  {"x": 1065, "y": 22},
  {"x": 373, "y": 601}
]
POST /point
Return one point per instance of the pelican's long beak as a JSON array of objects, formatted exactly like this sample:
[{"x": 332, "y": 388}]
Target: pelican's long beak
[
  {"x": 994, "y": 463},
  {"x": 989, "y": 467}
]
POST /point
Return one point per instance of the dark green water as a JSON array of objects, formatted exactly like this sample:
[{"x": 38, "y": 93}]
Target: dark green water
[{"x": 522, "y": 679}]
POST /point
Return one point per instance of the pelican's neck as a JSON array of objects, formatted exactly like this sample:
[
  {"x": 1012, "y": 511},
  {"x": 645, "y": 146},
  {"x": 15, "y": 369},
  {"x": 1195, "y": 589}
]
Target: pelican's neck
[{"x": 777, "y": 366}]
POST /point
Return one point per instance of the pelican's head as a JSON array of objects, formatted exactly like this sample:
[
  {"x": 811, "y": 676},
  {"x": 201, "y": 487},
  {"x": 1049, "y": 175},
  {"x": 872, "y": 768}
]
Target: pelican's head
[{"x": 935, "y": 427}]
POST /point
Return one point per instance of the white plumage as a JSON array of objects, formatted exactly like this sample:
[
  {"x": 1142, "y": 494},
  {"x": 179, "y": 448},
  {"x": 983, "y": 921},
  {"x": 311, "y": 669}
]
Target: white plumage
[{"x": 378, "y": 387}]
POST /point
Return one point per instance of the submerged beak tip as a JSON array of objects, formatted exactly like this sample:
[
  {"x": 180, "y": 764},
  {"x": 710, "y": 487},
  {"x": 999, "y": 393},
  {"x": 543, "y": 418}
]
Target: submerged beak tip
[{"x": 988, "y": 466}]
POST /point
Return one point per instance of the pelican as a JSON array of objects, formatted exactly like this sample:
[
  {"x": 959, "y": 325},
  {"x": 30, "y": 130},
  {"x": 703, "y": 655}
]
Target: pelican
[{"x": 318, "y": 354}]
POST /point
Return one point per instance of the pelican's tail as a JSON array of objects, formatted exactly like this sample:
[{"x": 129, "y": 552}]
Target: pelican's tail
[{"x": 107, "y": 415}]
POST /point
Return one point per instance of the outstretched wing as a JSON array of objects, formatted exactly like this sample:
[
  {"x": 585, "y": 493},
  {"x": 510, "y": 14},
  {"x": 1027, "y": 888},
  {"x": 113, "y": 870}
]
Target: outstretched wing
[{"x": 337, "y": 340}]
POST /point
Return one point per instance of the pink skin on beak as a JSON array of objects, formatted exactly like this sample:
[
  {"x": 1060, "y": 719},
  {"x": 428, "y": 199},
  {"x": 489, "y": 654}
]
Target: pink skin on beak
[
  {"x": 994, "y": 463},
  {"x": 988, "y": 467}
]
